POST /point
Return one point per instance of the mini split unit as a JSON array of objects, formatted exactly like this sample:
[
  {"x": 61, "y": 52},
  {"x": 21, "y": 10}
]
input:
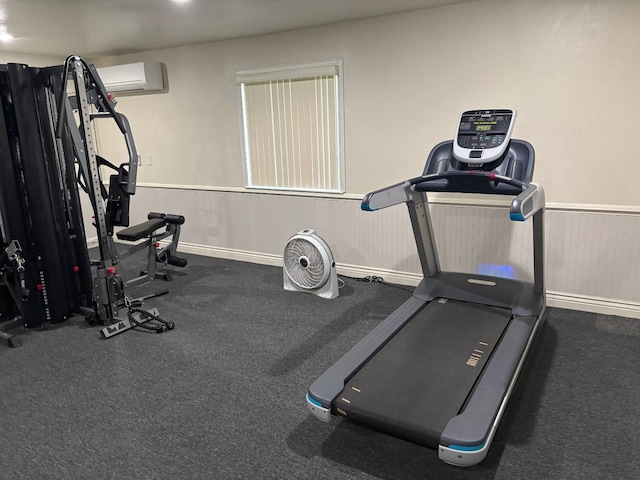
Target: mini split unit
[{"x": 132, "y": 77}]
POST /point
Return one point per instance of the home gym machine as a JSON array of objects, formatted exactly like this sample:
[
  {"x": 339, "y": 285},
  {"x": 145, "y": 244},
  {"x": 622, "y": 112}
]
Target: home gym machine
[
  {"x": 440, "y": 369},
  {"x": 90, "y": 101},
  {"x": 47, "y": 150},
  {"x": 12, "y": 291},
  {"x": 46, "y": 271}
]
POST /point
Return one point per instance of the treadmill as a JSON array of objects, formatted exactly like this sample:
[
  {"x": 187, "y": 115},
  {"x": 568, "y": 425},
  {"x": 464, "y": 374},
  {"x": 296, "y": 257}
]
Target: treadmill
[{"x": 440, "y": 369}]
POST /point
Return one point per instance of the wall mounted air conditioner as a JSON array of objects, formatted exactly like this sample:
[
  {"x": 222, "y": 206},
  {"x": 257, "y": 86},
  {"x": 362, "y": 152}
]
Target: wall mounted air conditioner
[{"x": 132, "y": 77}]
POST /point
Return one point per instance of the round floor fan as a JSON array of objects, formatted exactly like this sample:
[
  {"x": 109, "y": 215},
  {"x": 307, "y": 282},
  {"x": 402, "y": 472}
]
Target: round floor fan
[{"x": 309, "y": 266}]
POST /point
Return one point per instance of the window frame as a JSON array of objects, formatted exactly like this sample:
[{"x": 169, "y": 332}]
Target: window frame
[{"x": 294, "y": 71}]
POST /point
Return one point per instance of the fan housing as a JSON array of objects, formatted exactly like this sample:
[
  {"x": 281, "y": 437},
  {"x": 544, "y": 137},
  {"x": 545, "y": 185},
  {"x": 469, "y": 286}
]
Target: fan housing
[{"x": 309, "y": 266}]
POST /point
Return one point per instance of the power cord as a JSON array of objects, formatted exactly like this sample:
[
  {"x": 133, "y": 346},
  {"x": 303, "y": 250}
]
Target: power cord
[{"x": 372, "y": 279}]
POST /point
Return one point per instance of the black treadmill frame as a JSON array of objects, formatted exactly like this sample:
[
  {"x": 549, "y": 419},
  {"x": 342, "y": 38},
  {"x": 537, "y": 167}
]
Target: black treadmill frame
[{"x": 467, "y": 437}]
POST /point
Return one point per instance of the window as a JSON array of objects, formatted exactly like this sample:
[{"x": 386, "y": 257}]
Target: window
[{"x": 291, "y": 123}]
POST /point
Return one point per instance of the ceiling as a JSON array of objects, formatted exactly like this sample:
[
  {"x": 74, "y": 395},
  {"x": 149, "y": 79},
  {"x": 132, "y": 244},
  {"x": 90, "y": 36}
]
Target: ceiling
[{"x": 114, "y": 27}]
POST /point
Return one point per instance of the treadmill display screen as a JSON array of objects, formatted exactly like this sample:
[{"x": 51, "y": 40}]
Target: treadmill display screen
[{"x": 482, "y": 130}]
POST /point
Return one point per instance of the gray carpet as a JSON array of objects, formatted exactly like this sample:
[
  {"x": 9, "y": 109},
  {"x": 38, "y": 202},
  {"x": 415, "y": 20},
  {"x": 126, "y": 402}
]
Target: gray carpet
[{"x": 222, "y": 395}]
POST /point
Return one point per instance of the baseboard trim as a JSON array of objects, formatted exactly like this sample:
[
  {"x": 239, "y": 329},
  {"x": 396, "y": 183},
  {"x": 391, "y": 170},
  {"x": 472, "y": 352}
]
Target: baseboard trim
[
  {"x": 584, "y": 303},
  {"x": 391, "y": 276},
  {"x": 232, "y": 254}
]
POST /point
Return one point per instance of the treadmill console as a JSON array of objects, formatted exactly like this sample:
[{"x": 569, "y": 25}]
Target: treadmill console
[{"x": 483, "y": 136}]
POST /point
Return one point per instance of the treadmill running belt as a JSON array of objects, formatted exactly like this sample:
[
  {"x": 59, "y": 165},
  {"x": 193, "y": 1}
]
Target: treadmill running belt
[{"x": 421, "y": 378}]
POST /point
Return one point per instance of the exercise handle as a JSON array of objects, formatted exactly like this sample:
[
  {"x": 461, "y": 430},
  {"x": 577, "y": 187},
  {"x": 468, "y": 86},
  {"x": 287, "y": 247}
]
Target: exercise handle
[
  {"x": 167, "y": 217},
  {"x": 176, "y": 261},
  {"x": 175, "y": 219}
]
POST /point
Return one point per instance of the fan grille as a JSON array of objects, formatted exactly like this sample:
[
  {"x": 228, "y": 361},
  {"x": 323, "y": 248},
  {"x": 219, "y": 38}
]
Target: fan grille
[{"x": 303, "y": 263}]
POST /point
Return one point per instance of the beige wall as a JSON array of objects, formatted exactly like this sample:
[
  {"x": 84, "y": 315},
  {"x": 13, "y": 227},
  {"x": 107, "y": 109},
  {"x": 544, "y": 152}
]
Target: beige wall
[
  {"x": 29, "y": 59},
  {"x": 570, "y": 67}
]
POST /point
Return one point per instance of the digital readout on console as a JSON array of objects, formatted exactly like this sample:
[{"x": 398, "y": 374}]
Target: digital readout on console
[{"x": 482, "y": 130}]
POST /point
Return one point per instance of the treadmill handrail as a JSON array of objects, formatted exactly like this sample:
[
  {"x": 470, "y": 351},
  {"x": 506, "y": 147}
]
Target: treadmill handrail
[
  {"x": 387, "y": 197},
  {"x": 421, "y": 184},
  {"x": 530, "y": 200},
  {"x": 527, "y": 203}
]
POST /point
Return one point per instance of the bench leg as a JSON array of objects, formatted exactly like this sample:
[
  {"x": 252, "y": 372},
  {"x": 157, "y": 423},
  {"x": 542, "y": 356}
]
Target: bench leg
[{"x": 159, "y": 258}]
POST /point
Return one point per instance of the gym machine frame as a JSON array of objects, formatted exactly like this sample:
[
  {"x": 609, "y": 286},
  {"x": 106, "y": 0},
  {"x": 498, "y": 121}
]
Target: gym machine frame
[
  {"x": 109, "y": 288},
  {"x": 39, "y": 204},
  {"x": 12, "y": 277}
]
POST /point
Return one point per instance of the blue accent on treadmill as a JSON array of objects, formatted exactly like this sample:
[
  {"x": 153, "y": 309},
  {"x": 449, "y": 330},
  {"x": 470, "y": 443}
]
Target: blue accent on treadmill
[
  {"x": 495, "y": 270},
  {"x": 463, "y": 448},
  {"x": 516, "y": 217},
  {"x": 314, "y": 401},
  {"x": 367, "y": 208}
]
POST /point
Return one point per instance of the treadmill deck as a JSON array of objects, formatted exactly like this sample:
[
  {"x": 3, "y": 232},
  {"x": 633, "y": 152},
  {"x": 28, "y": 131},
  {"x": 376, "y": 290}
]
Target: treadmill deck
[{"x": 421, "y": 378}]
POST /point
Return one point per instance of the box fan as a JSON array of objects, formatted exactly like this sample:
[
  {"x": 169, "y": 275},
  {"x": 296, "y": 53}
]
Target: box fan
[{"x": 309, "y": 266}]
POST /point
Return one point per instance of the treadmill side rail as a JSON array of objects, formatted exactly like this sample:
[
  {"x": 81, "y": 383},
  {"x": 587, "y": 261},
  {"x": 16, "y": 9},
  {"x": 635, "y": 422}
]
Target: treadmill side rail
[
  {"x": 467, "y": 437},
  {"x": 326, "y": 388}
]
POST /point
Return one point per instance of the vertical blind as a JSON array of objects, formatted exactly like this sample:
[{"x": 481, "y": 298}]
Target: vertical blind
[{"x": 291, "y": 126}]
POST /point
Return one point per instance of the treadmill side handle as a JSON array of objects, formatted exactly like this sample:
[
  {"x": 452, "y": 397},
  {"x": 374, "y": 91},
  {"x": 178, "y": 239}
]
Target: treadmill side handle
[
  {"x": 387, "y": 197},
  {"x": 528, "y": 202}
]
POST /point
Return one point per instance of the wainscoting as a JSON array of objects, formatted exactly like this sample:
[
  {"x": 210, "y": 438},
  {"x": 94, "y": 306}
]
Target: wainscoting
[{"x": 591, "y": 252}]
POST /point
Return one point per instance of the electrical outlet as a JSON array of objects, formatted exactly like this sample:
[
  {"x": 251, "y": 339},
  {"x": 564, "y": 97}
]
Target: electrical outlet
[{"x": 149, "y": 159}]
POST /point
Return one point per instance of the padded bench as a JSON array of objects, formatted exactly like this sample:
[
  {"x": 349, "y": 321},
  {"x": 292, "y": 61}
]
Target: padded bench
[
  {"x": 158, "y": 227},
  {"x": 143, "y": 230}
]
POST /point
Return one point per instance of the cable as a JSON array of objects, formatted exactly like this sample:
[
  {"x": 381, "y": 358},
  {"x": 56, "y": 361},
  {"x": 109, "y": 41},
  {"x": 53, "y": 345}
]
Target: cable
[
  {"x": 146, "y": 317},
  {"x": 162, "y": 326},
  {"x": 375, "y": 279}
]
